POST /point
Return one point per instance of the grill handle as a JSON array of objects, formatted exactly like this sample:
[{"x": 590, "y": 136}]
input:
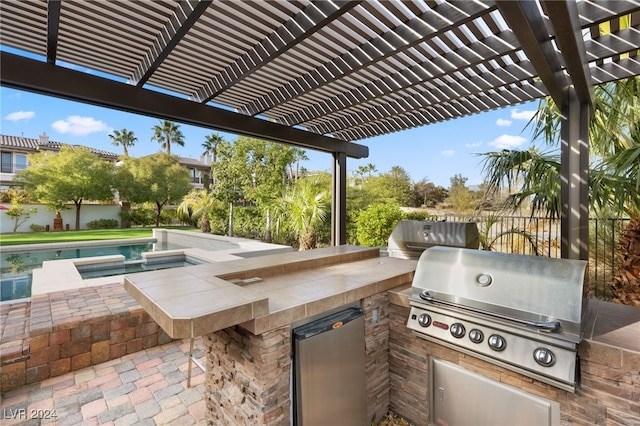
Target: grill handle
[{"x": 548, "y": 326}]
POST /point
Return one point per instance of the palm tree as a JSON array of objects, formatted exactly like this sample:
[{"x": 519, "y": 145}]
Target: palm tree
[
  {"x": 123, "y": 137},
  {"x": 301, "y": 211},
  {"x": 197, "y": 205},
  {"x": 298, "y": 155},
  {"x": 166, "y": 133},
  {"x": 614, "y": 144},
  {"x": 614, "y": 174},
  {"x": 211, "y": 144}
]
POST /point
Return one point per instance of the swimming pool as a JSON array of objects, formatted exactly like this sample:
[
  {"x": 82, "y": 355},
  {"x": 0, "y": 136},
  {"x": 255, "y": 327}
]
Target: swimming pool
[
  {"x": 132, "y": 266},
  {"x": 16, "y": 267}
]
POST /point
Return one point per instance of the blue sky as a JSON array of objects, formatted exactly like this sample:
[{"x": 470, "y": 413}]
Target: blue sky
[{"x": 435, "y": 152}]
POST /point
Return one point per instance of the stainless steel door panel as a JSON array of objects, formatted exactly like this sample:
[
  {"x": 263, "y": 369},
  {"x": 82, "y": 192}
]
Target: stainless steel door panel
[
  {"x": 460, "y": 397},
  {"x": 330, "y": 377}
]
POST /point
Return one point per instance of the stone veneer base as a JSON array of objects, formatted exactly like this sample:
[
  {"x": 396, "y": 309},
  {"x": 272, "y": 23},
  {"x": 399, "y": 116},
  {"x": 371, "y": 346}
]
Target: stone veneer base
[
  {"x": 69, "y": 330},
  {"x": 609, "y": 393},
  {"x": 249, "y": 376}
]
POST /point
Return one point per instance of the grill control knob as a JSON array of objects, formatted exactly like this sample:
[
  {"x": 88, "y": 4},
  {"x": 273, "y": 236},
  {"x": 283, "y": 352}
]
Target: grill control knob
[
  {"x": 476, "y": 336},
  {"x": 424, "y": 320},
  {"x": 457, "y": 330},
  {"x": 544, "y": 357},
  {"x": 497, "y": 343}
]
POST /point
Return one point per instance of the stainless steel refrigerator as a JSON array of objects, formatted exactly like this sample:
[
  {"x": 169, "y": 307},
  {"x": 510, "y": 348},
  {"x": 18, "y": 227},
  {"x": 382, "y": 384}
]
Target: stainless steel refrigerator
[{"x": 329, "y": 364}]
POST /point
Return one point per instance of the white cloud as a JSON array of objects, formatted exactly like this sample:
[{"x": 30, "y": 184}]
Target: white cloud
[
  {"x": 20, "y": 115},
  {"x": 516, "y": 114},
  {"x": 473, "y": 145},
  {"x": 448, "y": 152},
  {"x": 79, "y": 126},
  {"x": 503, "y": 122},
  {"x": 507, "y": 142}
]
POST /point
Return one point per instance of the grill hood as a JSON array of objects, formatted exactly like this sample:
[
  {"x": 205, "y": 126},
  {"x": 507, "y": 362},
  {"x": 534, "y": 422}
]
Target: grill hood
[
  {"x": 528, "y": 288},
  {"x": 411, "y": 237}
]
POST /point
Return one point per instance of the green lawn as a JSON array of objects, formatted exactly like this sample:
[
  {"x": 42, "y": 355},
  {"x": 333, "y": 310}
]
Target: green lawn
[{"x": 84, "y": 235}]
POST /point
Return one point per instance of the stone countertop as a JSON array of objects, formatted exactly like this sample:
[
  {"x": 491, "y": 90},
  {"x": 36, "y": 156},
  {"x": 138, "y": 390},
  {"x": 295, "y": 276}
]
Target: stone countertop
[{"x": 265, "y": 292}]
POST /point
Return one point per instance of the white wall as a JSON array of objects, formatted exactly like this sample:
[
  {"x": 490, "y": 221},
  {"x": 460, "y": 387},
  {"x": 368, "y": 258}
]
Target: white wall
[{"x": 44, "y": 216}]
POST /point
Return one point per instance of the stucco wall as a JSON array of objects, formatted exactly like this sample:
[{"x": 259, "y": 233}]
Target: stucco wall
[{"x": 44, "y": 216}]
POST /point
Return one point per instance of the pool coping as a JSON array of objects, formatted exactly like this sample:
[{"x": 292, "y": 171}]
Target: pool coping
[{"x": 74, "y": 244}]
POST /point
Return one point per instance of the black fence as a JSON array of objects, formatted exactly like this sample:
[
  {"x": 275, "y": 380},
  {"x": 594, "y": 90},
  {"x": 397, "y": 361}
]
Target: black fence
[{"x": 541, "y": 236}]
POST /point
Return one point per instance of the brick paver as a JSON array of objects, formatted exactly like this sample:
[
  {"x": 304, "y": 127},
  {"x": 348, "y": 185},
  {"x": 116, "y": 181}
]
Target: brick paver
[{"x": 143, "y": 388}]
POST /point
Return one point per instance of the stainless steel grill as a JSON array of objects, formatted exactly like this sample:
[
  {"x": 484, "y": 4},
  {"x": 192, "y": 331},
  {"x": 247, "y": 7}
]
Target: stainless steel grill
[
  {"x": 411, "y": 237},
  {"x": 524, "y": 313}
]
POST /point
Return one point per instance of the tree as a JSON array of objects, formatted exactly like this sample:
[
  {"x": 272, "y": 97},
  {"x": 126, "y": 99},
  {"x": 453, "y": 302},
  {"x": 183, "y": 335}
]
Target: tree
[
  {"x": 299, "y": 154},
  {"x": 157, "y": 178},
  {"x": 210, "y": 145},
  {"x": 18, "y": 212},
  {"x": 614, "y": 143},
  {"x": 302, "y": 210},
  {"x": 614, "y": 170},
  {"x": 167, "y": 133},
  {"x": 428, "y": 194},
  {"x": 197, "y": 205},
  {"x": 123, "y": 138},
  {"x": 74, "y": 174},
  {"x": 392, "y": 187},
  {"x": 361, "y": 171},
  {"x": 460, "y": 197},
  {"x": 253, "y": 170}
]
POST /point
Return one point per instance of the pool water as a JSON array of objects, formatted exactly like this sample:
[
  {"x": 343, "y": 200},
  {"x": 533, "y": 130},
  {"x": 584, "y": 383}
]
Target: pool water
[
  {"x": 16, "y": 267},
  {"x": 132, "y": 268}
]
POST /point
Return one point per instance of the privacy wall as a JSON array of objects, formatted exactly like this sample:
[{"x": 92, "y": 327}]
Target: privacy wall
[{"x": 44, "y": 216}]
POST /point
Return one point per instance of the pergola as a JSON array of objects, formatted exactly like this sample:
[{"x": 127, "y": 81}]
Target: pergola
[{"x": 325, "y": 74}]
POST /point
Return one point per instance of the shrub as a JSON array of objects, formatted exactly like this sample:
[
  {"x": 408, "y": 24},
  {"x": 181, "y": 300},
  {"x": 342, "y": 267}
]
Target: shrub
[
  {"x": 140, "y": 217},
  {"x": 375, "y": 224},
  {"x": 103, "y": 224},
  {"x": 168, "y": 216},
  {"x": 36, "y": 228},
  {"x": 248, "y": 222},
  {"x": 415, "y": 215}
]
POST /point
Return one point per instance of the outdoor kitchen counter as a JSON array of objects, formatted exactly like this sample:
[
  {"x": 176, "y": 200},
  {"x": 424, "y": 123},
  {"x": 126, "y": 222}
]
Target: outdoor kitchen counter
[{"x": 265, "y": 292}]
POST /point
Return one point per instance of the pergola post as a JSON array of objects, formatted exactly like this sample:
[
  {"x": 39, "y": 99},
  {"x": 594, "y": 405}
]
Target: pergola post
[
  {"x": 574, "y": 178},
  {"x": 339, "y": 200}
]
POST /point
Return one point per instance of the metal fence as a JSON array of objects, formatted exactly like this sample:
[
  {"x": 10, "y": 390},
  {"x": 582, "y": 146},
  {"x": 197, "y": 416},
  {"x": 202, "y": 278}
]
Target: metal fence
[{"x": 541, "y": 236}]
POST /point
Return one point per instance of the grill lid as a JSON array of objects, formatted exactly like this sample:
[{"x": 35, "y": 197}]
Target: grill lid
[
  {"x": 411, "y": 237},
  {"x": 535, "y": 291}
]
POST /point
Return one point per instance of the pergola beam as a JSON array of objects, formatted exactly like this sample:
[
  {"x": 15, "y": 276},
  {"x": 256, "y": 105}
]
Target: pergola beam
[
  {"x": 53, "y": 25},
  {"x": 299, "y": 28},
  {"x": 22, "y": 73},
  {"x": 564, "y": 18},
  {"x": 415, "y": 31},
  {"x": 534, "y": 38},
  {"x": 185, "y": 16},
  {"x": 465, "y": 57}
]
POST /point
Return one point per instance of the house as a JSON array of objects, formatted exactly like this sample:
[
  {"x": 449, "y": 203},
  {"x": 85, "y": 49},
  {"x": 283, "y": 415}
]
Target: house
[
  {"x": 15, "y": 149},
  {"x": 199, "y": 170}
]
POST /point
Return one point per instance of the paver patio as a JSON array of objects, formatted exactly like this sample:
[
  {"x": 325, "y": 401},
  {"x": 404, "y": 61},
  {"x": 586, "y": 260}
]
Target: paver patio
[{"x": 144, "y": 388}]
